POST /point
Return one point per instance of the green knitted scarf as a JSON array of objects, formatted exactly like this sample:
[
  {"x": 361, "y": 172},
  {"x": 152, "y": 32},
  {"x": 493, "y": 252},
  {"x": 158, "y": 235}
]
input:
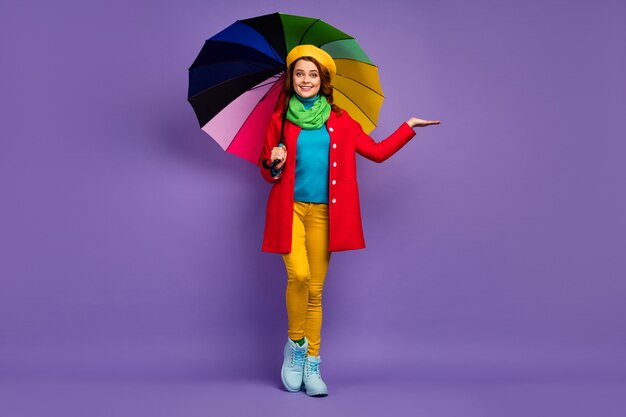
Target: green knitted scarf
[{"x": 313, "y": 118}]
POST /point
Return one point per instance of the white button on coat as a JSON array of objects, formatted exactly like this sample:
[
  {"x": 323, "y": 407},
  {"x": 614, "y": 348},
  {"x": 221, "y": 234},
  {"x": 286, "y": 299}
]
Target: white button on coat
[
  {"x": 334, "y": 182},
  {"x": 334, "y": 164},
  {"x": 331, "y": 129},
  {"x": 334, "y": 145},
  {"x": 334, "y": 200}
]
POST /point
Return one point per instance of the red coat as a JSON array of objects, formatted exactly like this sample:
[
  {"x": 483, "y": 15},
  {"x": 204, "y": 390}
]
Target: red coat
[{"x": 346, "y": 139}]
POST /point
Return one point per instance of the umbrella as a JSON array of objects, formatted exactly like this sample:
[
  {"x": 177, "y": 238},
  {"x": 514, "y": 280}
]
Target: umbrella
[{"x": 235, "y": 82}]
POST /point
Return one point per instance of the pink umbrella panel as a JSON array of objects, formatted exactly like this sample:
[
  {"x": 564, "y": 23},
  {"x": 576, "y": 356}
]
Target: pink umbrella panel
[{"x": 240, "y": 127}]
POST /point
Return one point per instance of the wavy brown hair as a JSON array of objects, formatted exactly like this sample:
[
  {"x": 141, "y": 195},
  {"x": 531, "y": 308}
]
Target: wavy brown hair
[{"x": 326, "y": 88}]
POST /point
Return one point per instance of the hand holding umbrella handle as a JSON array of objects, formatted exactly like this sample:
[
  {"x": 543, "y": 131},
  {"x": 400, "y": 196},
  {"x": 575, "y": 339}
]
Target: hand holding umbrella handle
[{"x": 275, "y": 161}]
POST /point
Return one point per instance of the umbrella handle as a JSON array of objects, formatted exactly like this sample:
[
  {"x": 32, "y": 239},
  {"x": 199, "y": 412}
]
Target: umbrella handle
[{"x": 273, "y": 164}]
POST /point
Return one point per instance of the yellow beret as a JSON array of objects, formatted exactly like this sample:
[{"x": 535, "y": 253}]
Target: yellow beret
[{"x": 313, "y": 51}]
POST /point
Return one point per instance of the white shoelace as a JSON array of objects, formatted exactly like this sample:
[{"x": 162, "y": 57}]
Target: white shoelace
[
  {"x": 298, "y": 356},
  {"x": 313, "y": 368}
]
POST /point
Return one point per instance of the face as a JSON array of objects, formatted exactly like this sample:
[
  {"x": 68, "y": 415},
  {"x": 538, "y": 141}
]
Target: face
[{"x": 306, "y": 79}]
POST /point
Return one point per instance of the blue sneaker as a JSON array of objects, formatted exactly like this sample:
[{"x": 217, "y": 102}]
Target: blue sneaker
[
  {"x": 293, "y": 365},
  {"x": 313, "y": 383}
]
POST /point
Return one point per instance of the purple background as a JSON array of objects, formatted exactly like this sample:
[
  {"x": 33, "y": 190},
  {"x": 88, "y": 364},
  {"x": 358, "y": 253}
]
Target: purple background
[{"x": 493, "y": 281}]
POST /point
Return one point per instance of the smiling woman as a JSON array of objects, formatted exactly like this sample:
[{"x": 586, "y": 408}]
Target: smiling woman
[{"x": 313, "y": 208}]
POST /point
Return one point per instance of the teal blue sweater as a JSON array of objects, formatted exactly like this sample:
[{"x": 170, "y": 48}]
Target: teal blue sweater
[{"x": 311, "y": 162}]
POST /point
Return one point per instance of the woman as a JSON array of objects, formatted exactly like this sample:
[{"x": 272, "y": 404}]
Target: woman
[{"x": 313, "y": 207}]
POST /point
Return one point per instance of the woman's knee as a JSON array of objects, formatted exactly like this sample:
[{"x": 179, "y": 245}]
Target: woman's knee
[
  {"x": 315, "y": 294},
  {"x": 299, "y": 276}
]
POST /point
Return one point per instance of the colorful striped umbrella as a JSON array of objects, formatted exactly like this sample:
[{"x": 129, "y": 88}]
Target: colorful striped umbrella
[{"x": 236, "y": 80}]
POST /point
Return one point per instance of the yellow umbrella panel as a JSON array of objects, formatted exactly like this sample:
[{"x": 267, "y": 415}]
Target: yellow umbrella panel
[{"x": 357, "y": 89}]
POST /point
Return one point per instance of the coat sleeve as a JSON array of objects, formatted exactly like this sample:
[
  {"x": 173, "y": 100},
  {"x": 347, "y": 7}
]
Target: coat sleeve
[
  {"x": 381, "y": 151},
  {"x": 272, "y": 134}
]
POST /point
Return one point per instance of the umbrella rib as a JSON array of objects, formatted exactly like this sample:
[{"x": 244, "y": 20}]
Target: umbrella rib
[
  {"x": 255, "y": 65},
  {"x": 319, "y": 46},
  {"x": 275, "y": 77},
  {"x": 359, "y": 82},
  {"x": 250, "y": 114},
  {"x": 337, "y": 39},
  {"x": 357, "y": 106},
  {"x": 266, "y": 41},
  {"x": 355, "y": 60},
  {"x": 271, "y": 89},
  {"x": 307, "y": 30},
  {"x": 226, "y": 81}
]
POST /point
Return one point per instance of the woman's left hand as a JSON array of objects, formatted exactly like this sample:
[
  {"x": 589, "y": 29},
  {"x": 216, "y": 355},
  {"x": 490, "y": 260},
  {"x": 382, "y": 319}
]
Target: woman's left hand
[{"x": 414, "y": 121}]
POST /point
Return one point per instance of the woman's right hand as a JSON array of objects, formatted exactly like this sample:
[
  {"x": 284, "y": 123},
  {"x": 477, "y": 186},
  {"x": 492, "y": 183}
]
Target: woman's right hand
[
  {"x": 414, "y": 121},
  {"x": 279, "y": 152}
]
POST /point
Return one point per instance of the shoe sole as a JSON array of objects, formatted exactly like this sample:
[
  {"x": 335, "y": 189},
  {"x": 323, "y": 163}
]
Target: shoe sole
[
  {"x": 314, "y": 393},
  {"x": 319, "y": 394}
]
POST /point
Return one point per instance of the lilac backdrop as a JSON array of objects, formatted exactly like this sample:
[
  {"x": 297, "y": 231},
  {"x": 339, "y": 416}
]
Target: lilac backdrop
[{"x": 130, "y": 243}]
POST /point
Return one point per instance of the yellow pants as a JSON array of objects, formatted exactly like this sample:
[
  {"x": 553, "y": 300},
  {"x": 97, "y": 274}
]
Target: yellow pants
[{"x": 306, "y": 266}]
